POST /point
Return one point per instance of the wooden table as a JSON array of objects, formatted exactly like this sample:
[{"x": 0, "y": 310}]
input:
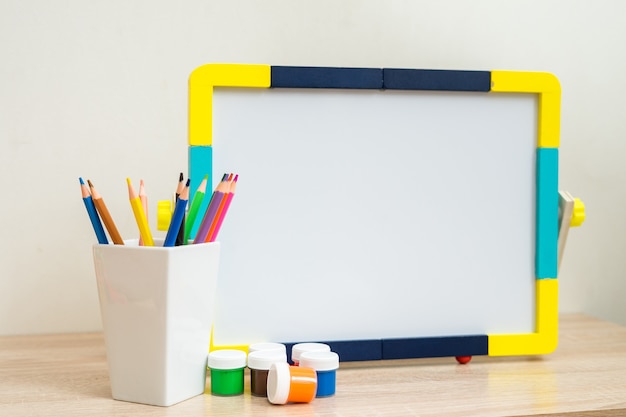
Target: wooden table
[{"x": 66, "y": 375}]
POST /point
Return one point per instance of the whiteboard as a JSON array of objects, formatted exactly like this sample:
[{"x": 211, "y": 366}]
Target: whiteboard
[{"x": 368, "y": 214}]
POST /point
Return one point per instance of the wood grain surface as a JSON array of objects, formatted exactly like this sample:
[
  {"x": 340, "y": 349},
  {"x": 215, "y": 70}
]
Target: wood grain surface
[{"x": 66, "y": 375}]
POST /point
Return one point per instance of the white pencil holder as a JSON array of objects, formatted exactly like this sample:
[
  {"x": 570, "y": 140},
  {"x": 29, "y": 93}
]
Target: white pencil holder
[{"x": 157, "y": 310}]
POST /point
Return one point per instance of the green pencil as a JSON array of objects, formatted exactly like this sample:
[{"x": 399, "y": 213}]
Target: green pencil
[{"x": 195, "y": 206}]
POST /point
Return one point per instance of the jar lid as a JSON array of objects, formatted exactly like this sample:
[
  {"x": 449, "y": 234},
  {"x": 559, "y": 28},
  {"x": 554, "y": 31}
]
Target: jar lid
[
  {"x": 320, "y": 361},
  {"x": 227, "y": 359},
  {"x": 267, "y": 346},
  {"x": 299, "y": 348},
  {"x": 278, "y": 383},
  {"x": 263, "y": 359}
]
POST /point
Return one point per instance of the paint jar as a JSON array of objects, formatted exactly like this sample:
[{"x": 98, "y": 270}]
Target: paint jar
[
  {"x": 259, "y": 363},
  {"x": 325, "y": 365},
  {"x": 267, "y": 346},
  {"x": 227, "y": 368},
  {"x": 290, "y": 384},
  {"x": 299, "y": 348}
]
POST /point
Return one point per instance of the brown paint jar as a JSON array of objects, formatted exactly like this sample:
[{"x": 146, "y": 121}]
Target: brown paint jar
[{"x": 259, "y": 363}]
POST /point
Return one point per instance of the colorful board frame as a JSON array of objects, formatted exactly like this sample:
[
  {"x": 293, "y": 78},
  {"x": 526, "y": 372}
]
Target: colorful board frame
[{"x": 547, "y": 88}]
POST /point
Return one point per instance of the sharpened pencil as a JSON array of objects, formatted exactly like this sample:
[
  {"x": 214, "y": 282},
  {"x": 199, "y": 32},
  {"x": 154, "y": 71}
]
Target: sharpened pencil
[
  {"x": 144, "y": 203},
  {"x": 209, "y": 215},
  {"x": 177, "y": 218},
  {"x": 222, "y": 212},
  {"x": 93, "y": 215},
  {"x": 180, "y": 237},
  {"x": 218, "y": 213},
  {"x": 196, "y": 202},
  {"x": 105, "y": 215},
  {"x": 140, "y": 216}
]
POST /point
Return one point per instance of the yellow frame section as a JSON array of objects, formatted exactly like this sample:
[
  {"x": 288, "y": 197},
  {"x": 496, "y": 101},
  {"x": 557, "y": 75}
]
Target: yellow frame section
[
  {"x": 548, "y": 88},
  {"x": 201, "y": 83},
  {"x": 213, "y": 346},
  {"x": 545, "y": 338}
]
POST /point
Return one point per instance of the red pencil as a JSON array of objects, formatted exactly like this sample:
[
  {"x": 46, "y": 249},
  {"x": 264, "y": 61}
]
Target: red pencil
[
  {"x": 219, "y": 210},
  {"x": 227, "y": 200}
]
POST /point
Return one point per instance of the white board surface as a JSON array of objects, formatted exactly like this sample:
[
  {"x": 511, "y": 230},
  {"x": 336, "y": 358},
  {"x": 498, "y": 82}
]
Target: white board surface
[{"x": 367, "y": 214}]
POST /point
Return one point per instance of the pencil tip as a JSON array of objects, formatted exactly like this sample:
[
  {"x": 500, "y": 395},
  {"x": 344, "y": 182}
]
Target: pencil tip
[
  {"x": 141, "y": 183},
  {"x": 206, "y": 177},
  {"x": 128, "y": 181},
  {"x": 81, "y": 180},
  {"x": 188, "y": 181},
  {"x": 236, "y": 177},
  {"x": 90, "y": 184},
  {"x": 180, "y": 177}
]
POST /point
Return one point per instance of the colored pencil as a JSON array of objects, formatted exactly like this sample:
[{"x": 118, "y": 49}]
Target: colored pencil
[
  {"x": 209, "y": 215},
  {"x": 144, "y": 203},
  {"x": 219, "y": 209},
  {"x": 171, "y": 238},
  {"x": 181, "y": 184},
  {"x": 105, "y": 215},
  {"x": 93, "y": 215},
  {"x": 222, "y": 213},
  {"x": 140, "y": 216},
  {"x": 196, "y": 202},
  {"x": 180, "y": 237}
]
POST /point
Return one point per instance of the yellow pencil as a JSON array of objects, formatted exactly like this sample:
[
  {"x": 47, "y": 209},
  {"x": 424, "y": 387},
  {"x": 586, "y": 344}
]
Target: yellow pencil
[
  {"x": 140, "y": 215},
  {"x": 144, "y": 203}
]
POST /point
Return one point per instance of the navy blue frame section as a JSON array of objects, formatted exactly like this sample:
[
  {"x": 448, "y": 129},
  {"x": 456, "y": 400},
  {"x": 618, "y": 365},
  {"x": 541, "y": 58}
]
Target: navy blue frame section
[
  {"x": 406, "y": 348},
  {"x": 433, "y": 347},
  {"x": 380, "y": 78},
  {"x": 438, "y": 80},
  {"x": 352, "y": 350},
  {"x": 326, "y": 77}
]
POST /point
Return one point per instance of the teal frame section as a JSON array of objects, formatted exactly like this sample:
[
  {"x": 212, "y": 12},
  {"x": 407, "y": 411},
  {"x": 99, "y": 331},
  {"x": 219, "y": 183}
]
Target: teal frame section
[
  {"x": 547, "y": 210},
  {"x": 200, "y": 164}
]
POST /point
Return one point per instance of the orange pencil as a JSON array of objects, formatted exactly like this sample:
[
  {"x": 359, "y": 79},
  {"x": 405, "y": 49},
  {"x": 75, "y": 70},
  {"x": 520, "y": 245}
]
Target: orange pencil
[{"x": 105, "y": 215}]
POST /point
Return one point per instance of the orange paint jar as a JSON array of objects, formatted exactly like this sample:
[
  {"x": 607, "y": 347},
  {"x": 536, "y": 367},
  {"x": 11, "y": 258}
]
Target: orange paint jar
[{"x": 291, "y": 384}]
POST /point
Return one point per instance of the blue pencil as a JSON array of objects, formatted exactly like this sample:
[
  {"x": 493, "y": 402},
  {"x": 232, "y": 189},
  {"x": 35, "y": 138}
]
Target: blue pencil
[
  {"x": 177, "y": 217},
  {"x": 93, "y": 214}
]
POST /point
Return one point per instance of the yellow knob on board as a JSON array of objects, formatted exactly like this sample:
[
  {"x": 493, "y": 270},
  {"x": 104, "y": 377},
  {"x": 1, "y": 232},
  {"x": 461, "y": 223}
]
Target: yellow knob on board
[
  {"x": 164, "y": 214},
  {"x": 578, "y": 214}
]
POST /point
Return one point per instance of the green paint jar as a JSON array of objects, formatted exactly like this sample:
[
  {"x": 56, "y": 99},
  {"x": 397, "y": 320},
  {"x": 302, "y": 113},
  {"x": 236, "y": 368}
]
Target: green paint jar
[{"x": 227, "y": 370}]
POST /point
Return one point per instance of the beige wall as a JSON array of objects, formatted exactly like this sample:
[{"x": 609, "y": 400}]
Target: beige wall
[{"x": 98, "y": 89}]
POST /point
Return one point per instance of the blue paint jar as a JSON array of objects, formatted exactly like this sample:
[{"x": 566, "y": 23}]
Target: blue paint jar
[
  {"x": 325, "y": 365},
  {"x": 299, "y": 348}
]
